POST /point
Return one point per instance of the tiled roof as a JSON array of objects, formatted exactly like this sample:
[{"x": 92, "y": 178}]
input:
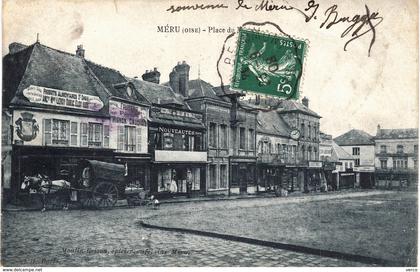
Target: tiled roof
[
  {"x": 355, "y": 137},
  {"x": 270, "y": 122},
  {"x": 43, "y": 66},
  {"x": 291, "y": 105},
  {"x": 115, "y": 82},
  {"x": 405, "y": 133},
  {"x": 157, "y": 93},
  {"x": 201, "y": 88},
  {"x": 339, "y": 153}
]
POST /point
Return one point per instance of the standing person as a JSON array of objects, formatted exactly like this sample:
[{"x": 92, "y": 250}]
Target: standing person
[
  {"x": 189, "y": 183},
  {"x": 173, "y": 188}
]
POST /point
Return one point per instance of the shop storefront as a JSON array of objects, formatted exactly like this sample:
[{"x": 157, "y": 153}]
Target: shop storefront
[
  {"x": 347, "y": 179},
  {"x": 365, "y": 176},
  {"x": 330, "y": 176},
  {"x": 178, "y": 159},
  {"x": 243, "y": 175},
  {"x": 315, "y": 178}
]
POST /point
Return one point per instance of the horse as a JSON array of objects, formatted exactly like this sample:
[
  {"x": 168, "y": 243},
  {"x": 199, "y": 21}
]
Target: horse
[{"x": 42, "y": 184}]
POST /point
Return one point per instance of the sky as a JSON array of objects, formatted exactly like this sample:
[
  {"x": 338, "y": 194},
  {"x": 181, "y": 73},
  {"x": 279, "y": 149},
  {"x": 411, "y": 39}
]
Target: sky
[{"x": 349, "y": 89}]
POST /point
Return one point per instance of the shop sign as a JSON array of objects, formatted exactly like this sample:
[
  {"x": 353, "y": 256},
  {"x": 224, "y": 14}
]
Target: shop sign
[
  {"x": 315, "y": 164},
  {"x": 123, "y": 113},
  {"x": 178, "y": 131},
  {"x": 178, "y": 113},
  {"x": 55, "y": 97},
  {"x": 364, "y": 168},
  {"x": 347, "y": 174}
]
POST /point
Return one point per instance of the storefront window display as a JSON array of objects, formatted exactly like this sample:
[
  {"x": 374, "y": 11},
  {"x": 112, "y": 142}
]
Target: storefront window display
[{"x": 175, "y": 180}]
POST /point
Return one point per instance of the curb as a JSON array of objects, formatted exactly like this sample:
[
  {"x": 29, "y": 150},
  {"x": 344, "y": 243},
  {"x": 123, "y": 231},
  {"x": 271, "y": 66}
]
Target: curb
[
  {"x": 284, "y": 246},
  {"x": 163, "y": 202}
]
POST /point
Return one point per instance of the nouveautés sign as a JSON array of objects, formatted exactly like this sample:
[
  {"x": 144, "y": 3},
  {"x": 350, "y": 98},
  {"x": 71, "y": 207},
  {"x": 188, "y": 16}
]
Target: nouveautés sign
[{"x": 61, "y": 98}]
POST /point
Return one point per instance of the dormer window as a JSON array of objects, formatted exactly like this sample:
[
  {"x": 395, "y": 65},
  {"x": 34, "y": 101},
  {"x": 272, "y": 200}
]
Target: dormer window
[{"x": 129, "y": 91}]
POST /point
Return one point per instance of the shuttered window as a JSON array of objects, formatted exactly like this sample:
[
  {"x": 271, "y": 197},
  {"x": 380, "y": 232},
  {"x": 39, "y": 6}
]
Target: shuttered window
[
  {"x": 120, "y": 140},
  {"x": 83, "y": 134},
  {"x": 106, "y": 135},
  {"x": 139, "y": 139},
  {"x": 73, "y": 133},
  {"x": 47, "y": 131}
]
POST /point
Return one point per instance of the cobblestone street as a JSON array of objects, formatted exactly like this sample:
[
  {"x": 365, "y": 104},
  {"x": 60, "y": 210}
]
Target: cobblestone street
[{"x": 115, "y": 238}]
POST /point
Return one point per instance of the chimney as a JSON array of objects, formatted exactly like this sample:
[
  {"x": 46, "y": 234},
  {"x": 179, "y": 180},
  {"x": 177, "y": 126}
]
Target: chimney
[
  {"x": 305, "y": 102},
  {"x": 179, "y": 78},
  {"x": 16, "y": 47},
  {"x": 151, "y": 76},
  {"x": 80, "y": 52},
  {"x": 378, "y": 129}
]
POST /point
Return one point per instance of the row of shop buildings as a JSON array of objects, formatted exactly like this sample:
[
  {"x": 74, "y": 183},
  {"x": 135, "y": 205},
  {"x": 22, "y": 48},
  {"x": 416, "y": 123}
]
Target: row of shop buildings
[{"x": 60, "y": 108}]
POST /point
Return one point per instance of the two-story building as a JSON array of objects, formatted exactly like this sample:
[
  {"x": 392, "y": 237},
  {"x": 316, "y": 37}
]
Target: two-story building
[
  {"x": 361, "y": 146},
  {"x": 396, "y": 157},
  {"x": 59, "y": 112},
  {"x": 176, "y": 139}
]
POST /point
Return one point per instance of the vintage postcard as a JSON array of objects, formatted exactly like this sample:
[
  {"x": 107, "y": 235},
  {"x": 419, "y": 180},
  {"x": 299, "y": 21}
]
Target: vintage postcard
[{"x": 205, "y": 133}]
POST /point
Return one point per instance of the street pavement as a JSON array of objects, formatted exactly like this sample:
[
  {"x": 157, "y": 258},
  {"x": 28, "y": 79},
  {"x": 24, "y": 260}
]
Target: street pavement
[{"x": 115, "y": 238}]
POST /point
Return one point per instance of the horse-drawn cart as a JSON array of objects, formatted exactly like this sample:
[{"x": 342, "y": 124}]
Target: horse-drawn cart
[
  {"x": 99, "y": 183},
  {"x": 95, "y": 184}
]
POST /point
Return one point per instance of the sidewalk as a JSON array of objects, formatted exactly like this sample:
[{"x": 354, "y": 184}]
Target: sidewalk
[{"x": 293, "y": 197}]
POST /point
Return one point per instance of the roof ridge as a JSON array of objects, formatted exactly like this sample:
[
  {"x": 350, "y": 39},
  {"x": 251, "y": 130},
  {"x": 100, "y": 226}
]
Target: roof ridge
[{"x": 90, "y": 72}]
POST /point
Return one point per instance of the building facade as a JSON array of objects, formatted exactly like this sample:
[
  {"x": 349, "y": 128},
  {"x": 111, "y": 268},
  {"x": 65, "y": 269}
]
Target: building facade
[
  {"x": 396, "y": 157},
  {"x": 361, "y": 146}
]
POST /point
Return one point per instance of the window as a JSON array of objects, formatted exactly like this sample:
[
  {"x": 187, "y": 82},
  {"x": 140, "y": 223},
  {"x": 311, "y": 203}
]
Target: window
[
  {"x": 56, "y": 132},
  {"x": 346, "y": 165},
  {"x": 383, "y": 148},
  {"x": 106, "y": 135},
  {"x": 129, "y": 139},
  {"x": 416, "y": 149},
  {"x": 95, "y": 135},
  {"x": 383, "y": 164},
  {"x": 309, "y": 132},
  {"x": 242, "y": 138},
  {"x": 213, "y": 135},
  {"x": 351, "y": 165},
  {"x": 73, "y": 133},
  {"x": 213, "y": 182},
  {"x": 400, "y": 149},
  {"x": 278, "y": 148},
  {"x": 223, "y": 176},
  {"x": 251, "y": 139},
  {"x": 356, "y": 162},
  {"x": 302, "y": 129},
  {"x": 223, "y": 137},
  {"x": 356, "y": 151},
  {"x": 415, "y": 164}
]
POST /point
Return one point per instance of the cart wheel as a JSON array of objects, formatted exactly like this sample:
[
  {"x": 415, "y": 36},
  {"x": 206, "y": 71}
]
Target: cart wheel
[{"x": 105, "y": 195}]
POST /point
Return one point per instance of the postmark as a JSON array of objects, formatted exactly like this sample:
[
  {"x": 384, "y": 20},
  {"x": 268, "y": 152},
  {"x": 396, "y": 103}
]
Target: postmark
[{"x": 268, "y": 64}]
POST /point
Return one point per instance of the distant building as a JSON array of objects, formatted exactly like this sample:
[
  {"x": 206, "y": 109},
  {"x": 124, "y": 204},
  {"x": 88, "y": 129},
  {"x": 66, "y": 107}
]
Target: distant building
[
  {"x": 329, "y": 160},
  {"x": 344, "y": 174},
  {"x": 396, "y": 158},
  {"x": 361, "y": 146}
]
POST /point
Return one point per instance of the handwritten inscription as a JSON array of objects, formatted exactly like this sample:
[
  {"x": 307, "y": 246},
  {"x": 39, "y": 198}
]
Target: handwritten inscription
[
  {"x": 174, "y": 8},
  {"x": 358, "y": 25}
]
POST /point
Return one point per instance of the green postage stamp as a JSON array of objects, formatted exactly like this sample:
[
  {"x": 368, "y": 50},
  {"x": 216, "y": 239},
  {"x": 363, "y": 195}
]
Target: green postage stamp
[{"x": 268, "y": 64}]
